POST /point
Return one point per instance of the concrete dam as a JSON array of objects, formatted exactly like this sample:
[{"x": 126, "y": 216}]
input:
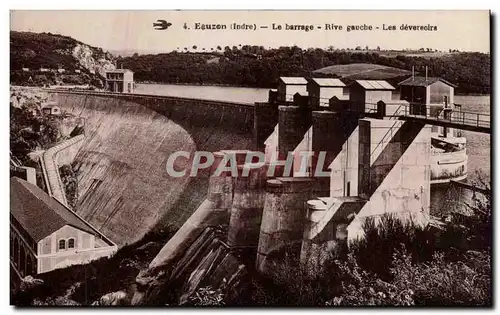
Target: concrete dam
[{"x": 124, "y": 189}]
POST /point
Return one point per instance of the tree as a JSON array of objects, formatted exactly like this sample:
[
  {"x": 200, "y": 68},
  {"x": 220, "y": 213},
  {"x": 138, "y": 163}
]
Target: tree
[{"x": 194, "y": 47}]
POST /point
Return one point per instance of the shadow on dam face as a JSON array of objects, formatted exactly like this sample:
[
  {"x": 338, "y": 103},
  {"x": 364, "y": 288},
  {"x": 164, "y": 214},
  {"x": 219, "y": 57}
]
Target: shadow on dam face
[{"x": 123, "y": 185}]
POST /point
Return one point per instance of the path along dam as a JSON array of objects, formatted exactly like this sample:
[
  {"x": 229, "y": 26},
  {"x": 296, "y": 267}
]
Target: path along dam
[{"x": 124, "y": 189}]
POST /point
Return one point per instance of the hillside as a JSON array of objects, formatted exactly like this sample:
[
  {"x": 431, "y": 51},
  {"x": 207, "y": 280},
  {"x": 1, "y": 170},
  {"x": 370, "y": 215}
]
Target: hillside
[
  {"x": 30, "y": 52},
  {"x": 363, "y": 71},
  {"x": 255, "y": 66}
]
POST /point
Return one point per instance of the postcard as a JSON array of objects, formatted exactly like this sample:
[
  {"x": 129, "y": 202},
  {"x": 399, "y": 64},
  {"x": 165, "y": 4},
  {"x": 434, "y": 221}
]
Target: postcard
[{"x": 250, "y": 158}]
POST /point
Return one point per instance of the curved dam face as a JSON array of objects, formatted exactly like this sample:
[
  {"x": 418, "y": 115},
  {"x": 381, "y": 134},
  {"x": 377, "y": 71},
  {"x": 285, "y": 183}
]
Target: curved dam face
[{"x": 124, "y": 188}]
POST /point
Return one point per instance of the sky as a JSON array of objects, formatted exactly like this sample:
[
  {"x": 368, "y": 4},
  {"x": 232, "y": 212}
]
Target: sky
[{"x": 133, "y": 30}]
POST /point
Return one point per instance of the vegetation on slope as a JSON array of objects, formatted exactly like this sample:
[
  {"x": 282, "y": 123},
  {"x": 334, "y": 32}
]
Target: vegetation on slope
[
  {"x": 29, "y": 133},
  {"x": 34, "y": 51},
  {"x": 255, "y": 66},
  {"x": 69, "y": 180}
]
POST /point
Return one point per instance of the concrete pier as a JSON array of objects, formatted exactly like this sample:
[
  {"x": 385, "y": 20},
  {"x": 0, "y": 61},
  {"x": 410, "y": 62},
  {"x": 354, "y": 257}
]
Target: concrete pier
[
  {"x": 247, "y": 207},
  {"x": 330, "y": 131},
  {"x": 325, "y": 231},
  {"x": 265, "y": 119},
  {"x": 283, "y": 218},
  {"x": 294, "y": 121}
]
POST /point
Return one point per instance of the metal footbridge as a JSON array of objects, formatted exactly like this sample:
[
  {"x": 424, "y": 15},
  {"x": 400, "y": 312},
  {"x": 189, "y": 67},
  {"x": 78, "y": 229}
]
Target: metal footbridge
[{"x": 444, "y": 117}]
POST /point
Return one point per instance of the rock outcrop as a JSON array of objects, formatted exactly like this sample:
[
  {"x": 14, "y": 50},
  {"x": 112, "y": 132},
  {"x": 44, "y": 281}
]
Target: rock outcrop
[
  {"x": 207, "y": 262},
  {"x": 88, "y": 60}
]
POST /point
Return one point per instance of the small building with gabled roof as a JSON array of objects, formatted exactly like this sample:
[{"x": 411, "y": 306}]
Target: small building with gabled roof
[
  {"x": 321, "y": 90},
  {"x": 46, "y": 235},
  {"x": 426, "y": 90},
  {"x": 289, "y": 86},
  {"x": 51, "y": 108},
  {"x": 369, "y": 92}
]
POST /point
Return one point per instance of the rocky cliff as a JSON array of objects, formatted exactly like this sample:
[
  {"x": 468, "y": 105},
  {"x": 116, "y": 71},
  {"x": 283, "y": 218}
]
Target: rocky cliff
[{"x": 94, "y": 62}]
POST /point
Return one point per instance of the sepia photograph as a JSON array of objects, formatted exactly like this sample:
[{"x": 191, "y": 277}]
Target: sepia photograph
[{"x": 250, "y": 158}]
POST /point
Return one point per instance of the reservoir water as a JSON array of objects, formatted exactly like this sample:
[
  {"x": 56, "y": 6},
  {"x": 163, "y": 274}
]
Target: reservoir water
[{"x": 443, "y": 197}]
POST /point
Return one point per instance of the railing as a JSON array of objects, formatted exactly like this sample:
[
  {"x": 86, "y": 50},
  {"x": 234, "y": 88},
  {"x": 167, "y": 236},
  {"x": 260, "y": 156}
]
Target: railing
[
  {"x": 457, "y": 117},
  {"x": 389, "y": 132}
]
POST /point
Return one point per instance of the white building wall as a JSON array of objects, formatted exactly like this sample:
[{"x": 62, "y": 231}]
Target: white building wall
[
  {"x": 326, "y": 93},
  {"x": 83, "y": 252},
  {"x": 292, "y": 89},
  {"x": 373, "y": 97}
]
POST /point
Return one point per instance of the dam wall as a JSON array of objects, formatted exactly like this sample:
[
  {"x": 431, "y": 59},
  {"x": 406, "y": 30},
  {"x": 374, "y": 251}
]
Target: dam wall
[{"x": 124, "y": 187}]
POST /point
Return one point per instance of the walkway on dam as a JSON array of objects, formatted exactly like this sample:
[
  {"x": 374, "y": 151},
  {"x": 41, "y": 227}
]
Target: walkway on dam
[
  {"x": 446, "y": 117},
  {"x": 459, "y": 120},
  {"x": 50, "y": 169},
  {"x": 150, "y": 96}
]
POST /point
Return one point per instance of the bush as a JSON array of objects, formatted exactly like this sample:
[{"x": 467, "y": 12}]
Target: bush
[
  {"x": 70, "y": 183},
  {"x": 365, "y": 289},
  {"x": 397, "y": 264},
  {"x": 207, "y": 297},
  {"x": 444, "y": 283},
  {"x": 375, "y": 251}
]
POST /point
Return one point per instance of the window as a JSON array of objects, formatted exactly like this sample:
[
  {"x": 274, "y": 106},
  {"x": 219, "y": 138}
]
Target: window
[
  {"x": 71, "y": 243},
  {"x": 62, "y": 244}
]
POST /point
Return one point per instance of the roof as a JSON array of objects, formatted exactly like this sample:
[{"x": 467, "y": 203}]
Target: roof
[
  {"x": 328, "y": 82},
  {"x": 375, "y": 85},
  {"x": 50, "y": 106},
  {"x": 423, "y": 81},
  {"x": 38, "y": 213},
  {"x": 118, "y": 71},
  {"x": 293, "y": 80}
]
